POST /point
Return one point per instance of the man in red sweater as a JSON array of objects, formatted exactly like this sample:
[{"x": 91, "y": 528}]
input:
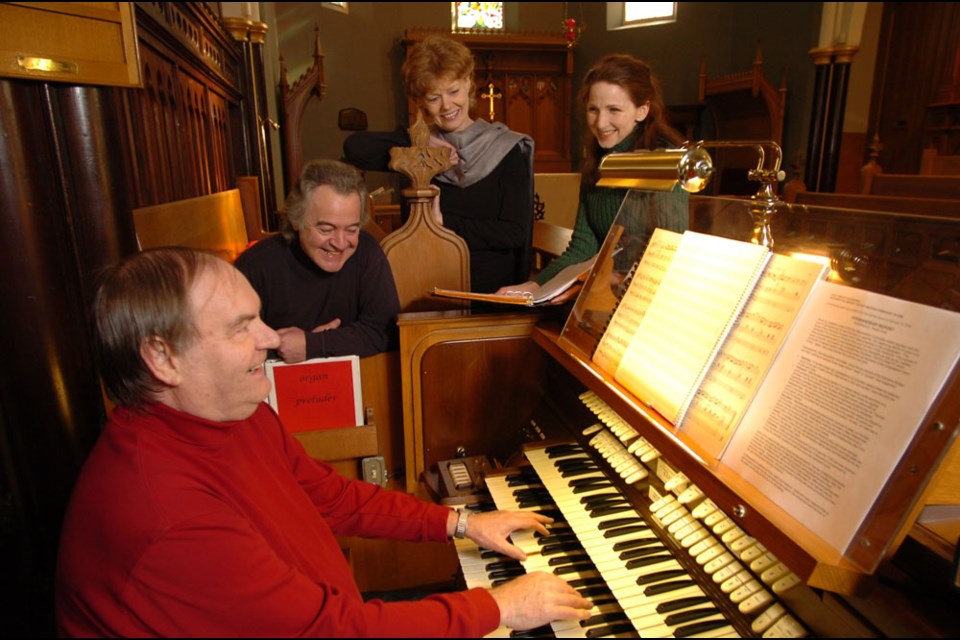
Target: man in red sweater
[{"x": 197, "y": 514}]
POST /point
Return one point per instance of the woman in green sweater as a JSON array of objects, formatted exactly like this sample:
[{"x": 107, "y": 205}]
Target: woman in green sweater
[{"x": 624, "y": 110}]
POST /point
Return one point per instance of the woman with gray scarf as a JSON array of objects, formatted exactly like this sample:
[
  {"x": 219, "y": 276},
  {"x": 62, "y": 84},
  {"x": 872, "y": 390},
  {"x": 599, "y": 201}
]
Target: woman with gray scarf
[{"x": 487, "y": 196}]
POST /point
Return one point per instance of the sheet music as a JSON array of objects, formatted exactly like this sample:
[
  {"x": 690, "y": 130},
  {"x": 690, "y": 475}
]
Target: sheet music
[
  {"x": 749, "y": 350},
  {"x": 841, "y": 403},
  {"x": 644, "y": 282},
  {"x": 704, "y": 288}
]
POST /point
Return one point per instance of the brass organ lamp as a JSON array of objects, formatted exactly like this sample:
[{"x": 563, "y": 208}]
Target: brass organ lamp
[{"x": 691, "y": 167}]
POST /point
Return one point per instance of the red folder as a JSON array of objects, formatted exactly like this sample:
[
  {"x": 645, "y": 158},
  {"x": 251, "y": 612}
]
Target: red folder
[{"x": 323, "y": 393}]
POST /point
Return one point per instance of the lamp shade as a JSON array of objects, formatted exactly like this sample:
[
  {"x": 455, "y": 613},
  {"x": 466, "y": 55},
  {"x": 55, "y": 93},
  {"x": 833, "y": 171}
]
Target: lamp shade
[{"x": 658, "y": 170}]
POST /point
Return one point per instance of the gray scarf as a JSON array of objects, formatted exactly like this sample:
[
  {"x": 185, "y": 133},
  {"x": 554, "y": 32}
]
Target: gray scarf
[{"x": 481, "y": 147}]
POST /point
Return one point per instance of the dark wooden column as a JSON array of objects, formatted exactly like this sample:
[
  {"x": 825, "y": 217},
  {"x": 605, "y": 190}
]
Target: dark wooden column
[
  {"x": 251, "y": 34},
  {"x": 826, "y": 120},
  {"x": 62, "y": 217}
]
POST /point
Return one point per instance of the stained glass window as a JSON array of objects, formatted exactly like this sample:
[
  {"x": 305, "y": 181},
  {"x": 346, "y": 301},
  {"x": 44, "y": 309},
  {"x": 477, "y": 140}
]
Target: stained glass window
[{"x": 477, "y": 15}]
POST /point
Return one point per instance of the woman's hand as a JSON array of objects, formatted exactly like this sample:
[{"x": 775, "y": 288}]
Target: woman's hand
[
  {"x": 437, "y": 141},
  {"x": 511, "y": 289}
]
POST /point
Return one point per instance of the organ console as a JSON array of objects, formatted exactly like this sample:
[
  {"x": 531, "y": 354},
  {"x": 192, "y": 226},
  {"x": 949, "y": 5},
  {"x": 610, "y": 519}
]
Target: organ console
[{"x": 665, "y": 542}]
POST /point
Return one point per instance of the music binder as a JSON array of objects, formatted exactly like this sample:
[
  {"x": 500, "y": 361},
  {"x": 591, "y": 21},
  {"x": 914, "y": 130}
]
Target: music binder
[
  {"x": 702, "y": 292},
  {"x": 565, "y": 278}
]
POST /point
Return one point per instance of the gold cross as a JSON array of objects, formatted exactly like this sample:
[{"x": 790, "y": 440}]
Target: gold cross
[{"x": 491, "y": 96}]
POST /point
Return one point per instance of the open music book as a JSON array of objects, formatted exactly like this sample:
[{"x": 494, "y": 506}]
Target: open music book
[
  {"x": 809, "y": 390},
  {"x": 696, "y": 304},
  {"x": 565, "y": 278},
  {"x": 699, "y": 325}
]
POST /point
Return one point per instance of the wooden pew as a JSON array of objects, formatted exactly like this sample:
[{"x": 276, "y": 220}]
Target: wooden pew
[
  {"x": 934, "y": 164},
  {"x": 913, "y": 186},
  {"x": 549, "y": 241}
]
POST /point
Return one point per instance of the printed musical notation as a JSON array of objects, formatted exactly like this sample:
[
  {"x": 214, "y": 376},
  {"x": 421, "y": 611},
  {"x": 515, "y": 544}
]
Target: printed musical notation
[
  {"x": 644, "y": 281},
  {"x": 749, "y": 350}
]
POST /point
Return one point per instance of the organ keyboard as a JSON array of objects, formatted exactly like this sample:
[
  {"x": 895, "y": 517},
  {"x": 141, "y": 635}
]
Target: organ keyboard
[
  {"x": 678, "y": 568},
  {"x": 764, "y": 568}
]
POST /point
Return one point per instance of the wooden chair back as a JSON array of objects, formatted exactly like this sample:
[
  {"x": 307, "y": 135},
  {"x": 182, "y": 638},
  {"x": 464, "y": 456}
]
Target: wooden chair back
[
  {"x": 559, "y": 195},
  {"x": 213, "y": 223},
  {"x": 743, "y": 106}
]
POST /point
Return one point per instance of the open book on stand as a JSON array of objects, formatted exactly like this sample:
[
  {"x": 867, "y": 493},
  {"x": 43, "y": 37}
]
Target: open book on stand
[
  {"x": 797, "y": 384},
  {"x": 565, "y": 278}
]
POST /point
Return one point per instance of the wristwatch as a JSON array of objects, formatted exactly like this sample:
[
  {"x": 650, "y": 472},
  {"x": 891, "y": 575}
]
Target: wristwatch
[{"x": 461, "y": 530}]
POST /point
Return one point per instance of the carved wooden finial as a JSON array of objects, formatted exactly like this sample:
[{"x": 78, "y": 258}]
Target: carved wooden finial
[{"x": 420, "y": 162}]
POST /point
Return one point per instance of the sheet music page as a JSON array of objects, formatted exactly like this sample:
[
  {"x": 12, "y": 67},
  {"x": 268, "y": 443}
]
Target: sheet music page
[
  {"x": 700, "y": 295},
  {"x": 749, "y": 350},
  {"x": 631, "y": 308},
  {"x": 841, "y": 404}
]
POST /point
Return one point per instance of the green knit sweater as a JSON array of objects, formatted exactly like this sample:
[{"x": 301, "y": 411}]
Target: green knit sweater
[{"x": 597, "y": 210}]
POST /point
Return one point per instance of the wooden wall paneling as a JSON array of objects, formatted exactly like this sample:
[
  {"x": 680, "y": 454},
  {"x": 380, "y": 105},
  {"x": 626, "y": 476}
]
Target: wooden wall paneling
[
  {"x": 519, "y": 103},
  {"x": 552, "y": 128},
  {"x": 914, "y": 36},
  {"x": 157, "y": 145},
  {"x": 198, "y": 82}
]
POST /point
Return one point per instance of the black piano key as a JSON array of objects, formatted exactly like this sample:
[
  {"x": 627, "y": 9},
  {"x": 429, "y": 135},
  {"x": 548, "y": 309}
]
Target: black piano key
[
  {"x": 573, "y": 473},
  {"x": 583, "y": 488},
  {"x": 697, "y": 628},
  {"x": 682, "y": 603},
  {"x": 583, "y": 466},
  {"x": 506, "y": 573},
  {"x": 502, "y": 564},
  {"x": 562, "y": 449},
  {"x": 600, "y": 497},
  {"x": 560, "y": 547},
  {"x": 562, "y": 560},
  {"x": 656, "y": 558},
  {"x": 600, "y": 618},
  {"x": 586, "y": 582},
  {"x": 574, "y": 568},
  {"x": 534, "y": 502},
  {"x": 530, "y": 491},
  {"x": 594, "y": 592},
  {"x": 621, "y": 522},
  {"x": 623, "y": 531},
  {"x": 610, "y": 630},
  {"x": 584, "y": 482},
  {"x": 660, "y": 576},
  {"x": 626, "y": 545},
  {"x": 610, "y": 510},
  {"x": 554, "y": 538},
  {"x": 675, "y": 619},
  {"x": 666, "y": 587},
  {"x": 540, "y": 632},
  {"x": 642, "y": 552}
]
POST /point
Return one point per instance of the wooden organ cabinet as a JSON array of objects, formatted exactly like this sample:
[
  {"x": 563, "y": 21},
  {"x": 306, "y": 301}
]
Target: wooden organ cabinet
[
  {"x": 525, "y": 385},
  {"x": 523, "y": 81}
]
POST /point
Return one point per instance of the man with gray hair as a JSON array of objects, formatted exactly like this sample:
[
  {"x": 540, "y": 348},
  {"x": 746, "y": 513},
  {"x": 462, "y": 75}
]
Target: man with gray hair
[
  {"x": 325, "y": 284},
  {"x": 198, "y": 515}
]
